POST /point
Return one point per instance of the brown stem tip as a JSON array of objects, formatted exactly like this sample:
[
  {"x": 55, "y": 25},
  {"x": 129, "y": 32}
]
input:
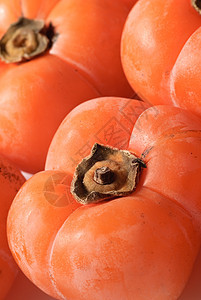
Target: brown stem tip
[
  {"x": 197, "y": 5},
  {"x": 25, "y": 39},
  {"x": 105, "y": 174}
]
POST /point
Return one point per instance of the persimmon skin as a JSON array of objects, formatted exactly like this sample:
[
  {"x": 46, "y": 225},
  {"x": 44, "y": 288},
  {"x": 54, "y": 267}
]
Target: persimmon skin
[
  {"x": 113, "y": 257},
  {"x": 113, "y": 129},
  {"x": 130, "y": 3},
  {"x": 113, "y": 249},
  {"x": 161, "y": 66},
  {"x": 184, "y": 80},
  {"x": 10, "y": 181},
  {"x": 83, "y": 63},
  {"x": 33, "y": 256},
  {"x": 94, "y": 236}
]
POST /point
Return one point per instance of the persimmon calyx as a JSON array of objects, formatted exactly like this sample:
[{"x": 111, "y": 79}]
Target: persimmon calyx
[
  {"x": 24, "y": 40},
  {"x": 197, "y": 5},
  {"x": 106, "y": 173}
]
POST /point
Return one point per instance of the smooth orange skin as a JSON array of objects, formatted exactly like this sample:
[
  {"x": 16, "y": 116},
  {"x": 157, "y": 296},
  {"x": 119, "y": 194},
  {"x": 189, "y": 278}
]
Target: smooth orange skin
[
  {"x": 112, "y": 125},
  {"x": 23, "y": 288},
  {"x": 43, "y": 219},
  {"x": 160, "y": 52},
  {"x": 83, "y": 63},
  {"x": 10, "y": 181},
  {"x": 113, "y": 250},
  {"x": 130, "y": 3},
  {"x": 122, "y": 249}
]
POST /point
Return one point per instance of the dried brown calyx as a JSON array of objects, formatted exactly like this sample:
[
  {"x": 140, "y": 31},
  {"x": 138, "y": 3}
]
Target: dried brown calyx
[
  {"x": 197, "y": 5},
  {"x": 26, "y": 39},
  {"x": 106, "y": 173}
]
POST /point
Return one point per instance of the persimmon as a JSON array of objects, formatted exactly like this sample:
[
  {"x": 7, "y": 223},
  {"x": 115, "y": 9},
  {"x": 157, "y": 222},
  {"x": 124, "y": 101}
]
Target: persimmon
[
  {"x": 160, "y": 52},
  {"x": 135, "y": 222},
  {"x": 55, "y": 55},
  {"x": 10, "y": 181},
  {"x": 130, "y": 3}
]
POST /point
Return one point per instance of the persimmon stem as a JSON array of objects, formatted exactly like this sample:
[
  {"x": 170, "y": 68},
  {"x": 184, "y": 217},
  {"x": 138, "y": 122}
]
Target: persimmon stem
[
  {"x": 197, "y": 5},
  {"x": 25, "y": 39},
  {"x": 106, "y": 173}
]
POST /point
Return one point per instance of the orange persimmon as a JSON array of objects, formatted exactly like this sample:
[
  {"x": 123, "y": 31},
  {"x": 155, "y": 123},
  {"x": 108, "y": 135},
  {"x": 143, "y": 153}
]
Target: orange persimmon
[
  {"x": 160, "y": 52},
  {"x": 10, "y": 181},
  {"x": 130, "y": 3},
  {"x": 149, "y": 237},
  {"x": 76, "y": 45}
]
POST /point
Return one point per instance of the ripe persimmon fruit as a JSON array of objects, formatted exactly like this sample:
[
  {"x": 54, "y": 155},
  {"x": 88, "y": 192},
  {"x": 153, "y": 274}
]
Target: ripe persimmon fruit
[
  {"x": 54, "y": 56},
  {"x": 135, "y": 222},
  {"x": 160, "y": 52}
]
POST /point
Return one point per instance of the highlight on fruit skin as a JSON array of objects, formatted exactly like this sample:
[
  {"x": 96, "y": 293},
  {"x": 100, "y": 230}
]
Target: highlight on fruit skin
[
  {"x": 162, "y": 67},
  {"x": 114, "y": 248},
  {"x": 54, "y": 55},
  {"x": 11, "y": 180}
]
